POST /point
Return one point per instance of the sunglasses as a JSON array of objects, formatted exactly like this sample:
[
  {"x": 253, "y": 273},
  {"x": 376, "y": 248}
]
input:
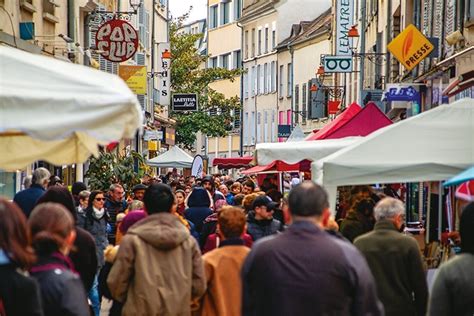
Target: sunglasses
[{"x": 99, "y": 199}]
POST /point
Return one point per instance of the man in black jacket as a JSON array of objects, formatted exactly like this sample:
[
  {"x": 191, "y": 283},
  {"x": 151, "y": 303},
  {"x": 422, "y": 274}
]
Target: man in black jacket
[{"x": 305, "y": 270}]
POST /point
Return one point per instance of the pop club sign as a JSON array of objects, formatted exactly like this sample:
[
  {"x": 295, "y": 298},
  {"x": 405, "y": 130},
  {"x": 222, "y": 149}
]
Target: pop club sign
[{"x": 117, "y": 40}]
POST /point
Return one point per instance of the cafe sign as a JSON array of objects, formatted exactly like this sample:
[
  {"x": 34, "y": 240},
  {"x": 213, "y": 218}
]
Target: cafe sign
[{"x": 117, "y": 40}]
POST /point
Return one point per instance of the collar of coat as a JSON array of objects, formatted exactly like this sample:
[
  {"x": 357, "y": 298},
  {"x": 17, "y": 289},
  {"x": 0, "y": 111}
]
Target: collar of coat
[{"x": 385, "y": 224}]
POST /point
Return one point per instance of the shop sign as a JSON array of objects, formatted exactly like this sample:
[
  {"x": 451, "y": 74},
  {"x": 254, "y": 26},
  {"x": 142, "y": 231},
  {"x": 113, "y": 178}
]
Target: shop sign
[
  {"x": 135, "y": 77},
  {"x": 185, "y": 102},
  {"x": 153, "y": 134},
  {"x": 284, "y": 131},
  {"x": 333, "y": 107},
  {"x": 197, "y": 168},
  {"x": 337, "y": 64},
  {"x": 117, "y": 40},
  {"x": 164, "y": 78},
  {"x": 170, "y": 136},
  {"x": 410, "y": 47},
  {"x": 402, "y": 94},
  {"x": 344, "y": 22}
]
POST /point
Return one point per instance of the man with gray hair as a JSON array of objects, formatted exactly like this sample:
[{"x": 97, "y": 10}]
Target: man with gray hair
[
  {"x": 114, "y": 205},
  {"x": 395, "y": 261},
  {"x": 26, "y": 199}
]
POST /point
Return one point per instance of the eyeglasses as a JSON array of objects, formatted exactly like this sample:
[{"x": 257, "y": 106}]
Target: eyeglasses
[{"x": 99, "y": 199}]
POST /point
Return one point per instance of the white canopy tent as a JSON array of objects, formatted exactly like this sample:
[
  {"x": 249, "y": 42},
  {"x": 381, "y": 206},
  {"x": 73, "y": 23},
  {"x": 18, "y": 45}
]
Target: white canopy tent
[
  {"x": 59, "y": 112},
  {"x": 432, "y": 146},
  {"x": 294, "y": 152},
  {"x": 173, "y": 158}
]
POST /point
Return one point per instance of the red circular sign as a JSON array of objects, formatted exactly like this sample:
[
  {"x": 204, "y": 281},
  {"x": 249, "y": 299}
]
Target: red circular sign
[{"x": 117, "y": 39}]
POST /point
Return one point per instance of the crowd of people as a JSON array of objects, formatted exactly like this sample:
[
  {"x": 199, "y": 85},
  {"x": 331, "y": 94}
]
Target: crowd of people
[{"x": 217, "y": 246}]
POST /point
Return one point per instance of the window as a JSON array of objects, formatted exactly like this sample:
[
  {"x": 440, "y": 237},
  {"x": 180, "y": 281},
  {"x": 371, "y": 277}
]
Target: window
[
  {"x": 260, "y": 41},
  {"x": 266, "y": 40},
  {"x": 237, "y": 59},
  {"x": 273, "y": 77},
  {"x": 237, "y": 9},
  {"x": 297, "y": 103},
  {"x": 253, "y": 42},
  {"x": 288, "y": 81},
  {"x": 252, "y": 128},
  {"x": 262, "y": 80},
  {"x": 274, "y": 39},
  {"x": 258, "y": 80},
  {"x": 246, "y": 43},
  {"x": 246, "y": 130},
  {"x": 213, "y": 62},
  {"x": 213, "y": 17},
  {"x": 251, "y": 81},
  {"x": 265, "y": 81},
  {"x": 225, "y": 6},
  {"x": 245, "y": 84},
  {"x": 225, "y": 61},
  {"x": 265, "y": 126},
  {"x": 280, "y": 77},
  {"x": 259, "y": 122},
  {"x": 303, "y": 102}
]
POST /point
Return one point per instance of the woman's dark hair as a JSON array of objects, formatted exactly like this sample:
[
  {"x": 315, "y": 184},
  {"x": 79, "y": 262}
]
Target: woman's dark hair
[
  {"x": 92, "y": 197},
  {"x": 78, "y": 187},
  {"x": 60, "y": 195},
  {"x": 365, "y": 207},
  {"x": 158, "y": 198},
  {"x": 50, "y": 224},
  {"x": 180, "y": 192},
  {"x": 466, "y": 229},
  {"x": 15, "y": 237}
]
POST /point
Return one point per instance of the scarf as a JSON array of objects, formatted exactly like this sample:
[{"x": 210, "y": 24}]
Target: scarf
[{"x": 98, "y": 214}]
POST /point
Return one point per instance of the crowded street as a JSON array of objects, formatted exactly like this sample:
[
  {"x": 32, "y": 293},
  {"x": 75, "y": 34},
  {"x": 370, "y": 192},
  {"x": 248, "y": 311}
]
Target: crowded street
[{"x": 236, "y": 157}]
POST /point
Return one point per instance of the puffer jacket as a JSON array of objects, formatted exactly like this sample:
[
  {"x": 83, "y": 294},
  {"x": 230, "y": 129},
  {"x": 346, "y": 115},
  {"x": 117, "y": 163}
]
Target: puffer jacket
[
  {"x": 158, "y": 269},
  {"x": 354, "y": 225},
  {"x": 98, "y": 229},
  {"x": 199, "y": 203},
  {"x": 262, "y": 228}
]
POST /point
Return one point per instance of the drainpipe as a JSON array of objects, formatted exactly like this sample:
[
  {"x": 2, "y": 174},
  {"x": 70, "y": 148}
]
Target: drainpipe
[
  {"x": 362, "y": 49},
  {"x": 291, "y": 84},
  {"x": 241, "y": 88}
]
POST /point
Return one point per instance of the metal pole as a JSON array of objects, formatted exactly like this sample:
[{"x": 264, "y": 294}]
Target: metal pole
[
  {"x": 440, "y": 209},
  {"x": 362, "y": 49}
]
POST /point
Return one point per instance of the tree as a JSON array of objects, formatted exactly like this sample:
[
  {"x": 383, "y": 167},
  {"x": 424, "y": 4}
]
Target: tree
[{"x": 188, "y": 76}]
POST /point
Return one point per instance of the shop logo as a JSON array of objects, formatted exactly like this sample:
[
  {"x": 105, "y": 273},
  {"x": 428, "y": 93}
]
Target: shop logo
[{"x": 117, "y": 40}]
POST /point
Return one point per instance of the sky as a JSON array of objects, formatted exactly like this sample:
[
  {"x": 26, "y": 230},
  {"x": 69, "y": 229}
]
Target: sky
[{"x": 179, "y": 7}]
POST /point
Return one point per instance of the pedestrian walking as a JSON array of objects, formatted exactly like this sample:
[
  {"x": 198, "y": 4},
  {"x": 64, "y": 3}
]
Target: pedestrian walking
[
  {"x": 222, "y": 266},
  {"x": 19, "y": 294},
  {"x": 199, "y": 207},
  {"x": 114, "y": 205},
  {"x": 139, "y": 191},
  {"x": 26, "y": 199},
  {"x": 395, "y": 261},
  {"x": 180, "y": 200},
  {"x": 260, "y": 221},
  {"x": 158, "y": 269},
  {"x": 359, "y": 220},
  {"x": 52, "y": 228},
  {"x": 305, "y": 270},
  {"x": 453, "y": 287},
  {"x": 83, "y": 203}
]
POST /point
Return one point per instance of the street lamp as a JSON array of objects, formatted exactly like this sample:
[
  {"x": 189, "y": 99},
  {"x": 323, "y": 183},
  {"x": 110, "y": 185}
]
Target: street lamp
[{"x": 135, "y": 4}]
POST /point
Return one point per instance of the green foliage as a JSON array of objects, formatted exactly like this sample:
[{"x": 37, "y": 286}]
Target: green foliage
[
  {"x": 111, "y": 168},
  {"x": 188, "y": 76}
]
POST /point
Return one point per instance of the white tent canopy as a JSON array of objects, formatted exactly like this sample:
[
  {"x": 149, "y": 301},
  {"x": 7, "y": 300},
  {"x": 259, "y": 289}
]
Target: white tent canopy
[
  {"x": 432, "y": 146},
  {"x": 294, "y": 152},
  {"x": 59, "y": 112},
  {"x": 173, "y": 158}
]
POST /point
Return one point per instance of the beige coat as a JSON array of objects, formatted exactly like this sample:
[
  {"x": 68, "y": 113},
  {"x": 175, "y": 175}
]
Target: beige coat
[
  {"x": 224, "y": 287},
  {"x": 158, "y": 269}
]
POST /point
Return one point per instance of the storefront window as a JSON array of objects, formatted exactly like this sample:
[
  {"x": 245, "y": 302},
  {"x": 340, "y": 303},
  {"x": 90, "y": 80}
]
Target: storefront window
[{"x": 7, "y": 184}]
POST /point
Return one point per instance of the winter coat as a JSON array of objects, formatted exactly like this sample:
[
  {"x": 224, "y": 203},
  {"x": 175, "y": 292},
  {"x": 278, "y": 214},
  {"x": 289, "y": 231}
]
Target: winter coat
[
  {"x": 262, "y": 228},
  {"x": 158, "y": 269},
  {"x": 113, "y": 208},
  {"x": 396, "y": 263},
  {"x": 306, "y": 271},
  {"x": 354, "y": 225},
  {"x": 208, "y": 227},
  {"x": 84, "y": 257},
  {"x": 222, "y": 267},
  {"x": 27, "y": 199},
  {"x": 109, "y": 255},
  {"x": 199, "y": 204},
  {"x": 98, "y": 229},
  {"x": 19, "y": 293},
  {"x": 214, "y": 241},
  {"x": 453, "y": 288},
  {"x": 61, "y": 288}
]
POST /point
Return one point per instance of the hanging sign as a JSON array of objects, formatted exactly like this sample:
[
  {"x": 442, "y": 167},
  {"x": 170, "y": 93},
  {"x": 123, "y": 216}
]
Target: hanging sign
[
  {"x": 410, "y": 47},
  {"x": 117, "y": 40},
  {"x": 164, "y": 78},
  {"x": 344, "y": 22},
  {"x": 284, "y": 131},
  {"x": 135, "y": 77},
  {"x": 185, "y": 102},
  {"x": 337, "y": 64}
]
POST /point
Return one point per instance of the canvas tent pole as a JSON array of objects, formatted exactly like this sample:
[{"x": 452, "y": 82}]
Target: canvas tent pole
[{"x": 440, "y": 209}]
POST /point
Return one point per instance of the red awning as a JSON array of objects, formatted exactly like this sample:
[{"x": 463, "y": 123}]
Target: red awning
[
  {"x": 462, "y": 83},
  {"x": 232, "y": 162},
  {"x": 339, "y": 121},
  {"x": 280, "y": 166}
]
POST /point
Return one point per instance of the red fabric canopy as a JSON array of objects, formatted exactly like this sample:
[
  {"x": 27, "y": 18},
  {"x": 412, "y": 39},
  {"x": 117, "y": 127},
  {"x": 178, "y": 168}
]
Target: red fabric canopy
[
  {"x": 232, "y": 162},
  {"x": 280, "y": 166},
  {"x": 339, "y": 121}
]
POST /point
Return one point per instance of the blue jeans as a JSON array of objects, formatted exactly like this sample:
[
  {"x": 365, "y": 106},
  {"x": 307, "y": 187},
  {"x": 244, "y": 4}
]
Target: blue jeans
[{"x": 94, "y": 297}]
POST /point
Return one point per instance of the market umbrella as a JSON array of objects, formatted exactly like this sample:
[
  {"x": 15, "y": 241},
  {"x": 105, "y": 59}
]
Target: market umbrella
[
  {"x": 59, "y": 112},
  {"x": 466, "y": 191},
  {"x": 460, "y": 178}
]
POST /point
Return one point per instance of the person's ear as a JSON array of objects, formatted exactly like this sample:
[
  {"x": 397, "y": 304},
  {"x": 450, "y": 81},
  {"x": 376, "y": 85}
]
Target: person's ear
[
  {"x": 325, "y": 217},
  {"x": 71, "y": 238}
]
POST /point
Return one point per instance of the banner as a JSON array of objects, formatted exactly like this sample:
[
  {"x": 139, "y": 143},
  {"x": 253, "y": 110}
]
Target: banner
[
  {"x": 344, "y": 22},
  {"x": 135, "y": 77}
]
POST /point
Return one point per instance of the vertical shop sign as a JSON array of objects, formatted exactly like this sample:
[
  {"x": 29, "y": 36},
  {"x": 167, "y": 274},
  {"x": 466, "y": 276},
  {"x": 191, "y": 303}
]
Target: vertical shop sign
[
  {"x": 164, "y": 78},
  {"x": 344, "y": 22},
  {"x": 449, "y": 25}
]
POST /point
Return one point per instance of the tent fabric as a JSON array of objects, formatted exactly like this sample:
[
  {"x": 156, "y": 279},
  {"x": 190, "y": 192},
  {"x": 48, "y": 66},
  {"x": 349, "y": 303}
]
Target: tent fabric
[
  {"x": 366, "y": 121},
  {"x": 296, "y": 135},
  {"x": 431, "y": 146},
  {"x": 232, "y": 162},
  {"x": 339, "y": 121},
  {"x": 59, "y": 112},
  {"x": 294, "y": 152},
  {"x": 460, "y": 178},
  {"x": 173, "y": 158},
  {"x": 279, "y": 166},
  {"x": 465, "y": 191}
]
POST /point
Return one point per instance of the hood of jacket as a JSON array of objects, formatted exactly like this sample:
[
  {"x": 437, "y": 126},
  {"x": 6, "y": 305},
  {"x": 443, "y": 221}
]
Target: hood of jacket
[
  {"x": 163, "y": 231},
  {"x": 199, "y": 197}
]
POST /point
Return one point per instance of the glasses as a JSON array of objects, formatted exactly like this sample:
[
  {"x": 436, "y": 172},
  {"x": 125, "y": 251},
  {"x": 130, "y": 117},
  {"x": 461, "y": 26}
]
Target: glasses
[{"x": 99, "y": 199}]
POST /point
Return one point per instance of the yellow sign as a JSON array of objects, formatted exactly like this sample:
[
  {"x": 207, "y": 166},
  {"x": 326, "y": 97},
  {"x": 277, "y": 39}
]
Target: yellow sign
[
  {"x": 410, "y": 47},
  {"x": 135, "y": 77}
]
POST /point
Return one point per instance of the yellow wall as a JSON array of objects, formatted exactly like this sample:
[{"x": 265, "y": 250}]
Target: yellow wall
[
  {"x": 223, "y": 143},
  {"x": 229, "y": 89}
]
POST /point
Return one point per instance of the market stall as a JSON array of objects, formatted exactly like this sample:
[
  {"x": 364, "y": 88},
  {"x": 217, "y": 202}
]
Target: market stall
[
  {"x": 175, "y": 157},
  {"x": 232, "y": 162}
]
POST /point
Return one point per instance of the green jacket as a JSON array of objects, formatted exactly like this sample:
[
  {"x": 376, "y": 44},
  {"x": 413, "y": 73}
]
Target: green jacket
[{"x": 396, "y": 263}]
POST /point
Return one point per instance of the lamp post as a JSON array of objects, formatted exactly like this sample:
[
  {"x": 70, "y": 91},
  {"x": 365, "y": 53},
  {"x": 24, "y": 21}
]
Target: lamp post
[{"x": 123, "y": 15}]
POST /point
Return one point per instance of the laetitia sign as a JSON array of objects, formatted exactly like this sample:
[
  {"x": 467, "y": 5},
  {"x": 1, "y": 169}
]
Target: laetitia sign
[
  {"x": 117, "y": 40},
  {"x": 185, "y": 102}
]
